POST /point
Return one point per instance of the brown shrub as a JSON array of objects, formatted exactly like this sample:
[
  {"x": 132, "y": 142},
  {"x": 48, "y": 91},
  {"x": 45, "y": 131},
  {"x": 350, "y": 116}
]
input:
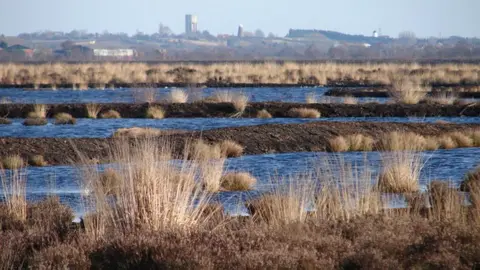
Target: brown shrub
[{"x": 470, "y": 180}]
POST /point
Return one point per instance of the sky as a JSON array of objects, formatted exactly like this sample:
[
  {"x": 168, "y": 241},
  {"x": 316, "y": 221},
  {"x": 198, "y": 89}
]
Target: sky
[{"x": 424, "y": 17}]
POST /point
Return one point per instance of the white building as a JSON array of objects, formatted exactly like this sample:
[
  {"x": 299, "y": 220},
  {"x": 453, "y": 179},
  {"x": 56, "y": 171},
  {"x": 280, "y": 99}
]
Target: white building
[
  {"x": 191, "y": 23},
  {"x": 115, "y": 53}
]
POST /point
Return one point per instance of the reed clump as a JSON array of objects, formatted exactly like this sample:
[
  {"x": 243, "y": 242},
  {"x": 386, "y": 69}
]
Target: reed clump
[
  {"x": 178, "y": 96},
  {"x": 64, "y": 119},
  {"x": 238, "y": 181},
  {"x": 93, "y": 110},
  {"x": 110, "y": 114},
  {"x": 39, "y": 111},
  {"x": 471, "y": 180},
  {"x": 230, "y": 149},
  {"x": 155, "y": 112},
  {"x": 263, "y": 114},
  {"x": 303, "y": 113},
  {"x": 13, "y": 162},
  {"x": 400, "y": 173},
  {"x": 407, "y": 91},
  {"x": 37, "y": 161}
]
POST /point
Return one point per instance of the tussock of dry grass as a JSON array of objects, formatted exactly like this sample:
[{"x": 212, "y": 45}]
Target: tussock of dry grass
[
  {"x": 461, "y": 140},
  {"x": 338, "y": 144},
  {"x": 110, "y": 181},
  {"x": 35, "y": 122},
  {"x": 444, "y": 98},
  {"x": 137, "y": 132},
  {"x": 64, "y": 119},
  {"x": 93, "y": 110},
  {"x": 407, "y": 91},
  {"x": 471, "y": 180},
  {"x": 110, "y": 114},
  {"x": 230, "y": 148},
  {"x": 155, "y": 112},
  {"x": 5, "y": 121},
  {"x": 446, "y": 142},
  {"x": 400, "y": 173},
  {"x": 37, "y": 161},
  {"x": 144, "y": 95},
  {"x": 13, "y": 162},
  {"x": 177, "y": 96},
  {"x": 39, "y": 111},
  {"x": 239, "y": 181},
  {"x": 303, "y": 113},
  {"x": 263, "y": 114},
  {"x": 399, "y": 141},
  {"x": 359, "y": 142}
]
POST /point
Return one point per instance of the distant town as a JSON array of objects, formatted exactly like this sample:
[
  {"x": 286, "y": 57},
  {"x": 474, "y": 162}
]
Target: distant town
[{"x": 245, "y": 44}]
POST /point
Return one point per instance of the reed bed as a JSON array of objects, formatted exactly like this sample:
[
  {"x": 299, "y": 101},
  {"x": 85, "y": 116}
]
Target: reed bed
[
  {"x": 401, "y": 141},
  {"x": 152, "y": 211},
  {"x": 102, "y": 74}
]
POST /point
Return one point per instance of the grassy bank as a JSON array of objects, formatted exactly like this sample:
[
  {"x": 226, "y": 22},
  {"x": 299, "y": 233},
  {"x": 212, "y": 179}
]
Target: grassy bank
[
  {"x": 152, "y": 213},
  {"x": 101, "y": 75}
]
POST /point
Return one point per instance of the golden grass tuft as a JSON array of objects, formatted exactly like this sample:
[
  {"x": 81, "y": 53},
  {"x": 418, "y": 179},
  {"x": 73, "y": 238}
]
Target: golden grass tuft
[
  {"x": 400, "y": 173},
  {"x": 39, "y": 111},
  {"x": 338, "y": 144},
  {"x": 37, "y": 161},
  {"x": 263, "y": 114},
  {"x": 238, "y": 181},
  {"x": 110, "y": 181},
  {"x": 13, "y": 188},
  {"x": 240, "y": 102},
  {"x": 304, "y": 113},
  {"x": 138, "y": 132},
  {"x": 110, "y": 114},
  {"x": 400, "y": 141},
  {"x": 155, "y": 112},
  {"x": 205, "y": 151},
  {"x": 475, "y": 135},
  {"x": 443, "y": 98},
  {"x": 360, "y": 142},
  {"x": 461, "y": 140},
  {"x": 407, "y": 91},
  {"x": 35, "y": 122},
  {"x": 13, "y": 162},
  {"x": 149, "y": 194},
  {"x": 93, "y": 110},
  {"x": 178, "y": 96},
  {"x": 471, "y": 180},
  {"x": 230, "y": 148},
  {"x": 446, "y": 142},
  {"x": 64, "y": 119}
]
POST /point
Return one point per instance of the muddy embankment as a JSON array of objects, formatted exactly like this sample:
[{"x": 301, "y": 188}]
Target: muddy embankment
[
  {"x": 382, "y": 92},
  {"x": 255, "y": 139},
  {"x": 276, "y": 109}
]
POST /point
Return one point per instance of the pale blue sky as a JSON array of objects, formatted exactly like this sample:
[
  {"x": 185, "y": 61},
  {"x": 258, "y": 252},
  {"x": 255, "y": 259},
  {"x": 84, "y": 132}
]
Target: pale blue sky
[{"x": 424, "y": 17}]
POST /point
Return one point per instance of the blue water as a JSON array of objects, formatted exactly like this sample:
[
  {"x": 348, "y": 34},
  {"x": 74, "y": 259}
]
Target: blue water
[
  {"x": 447, "y": 165},
  {"x": 101, "y": 128},
  {"x": 127, "y": 95}
]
